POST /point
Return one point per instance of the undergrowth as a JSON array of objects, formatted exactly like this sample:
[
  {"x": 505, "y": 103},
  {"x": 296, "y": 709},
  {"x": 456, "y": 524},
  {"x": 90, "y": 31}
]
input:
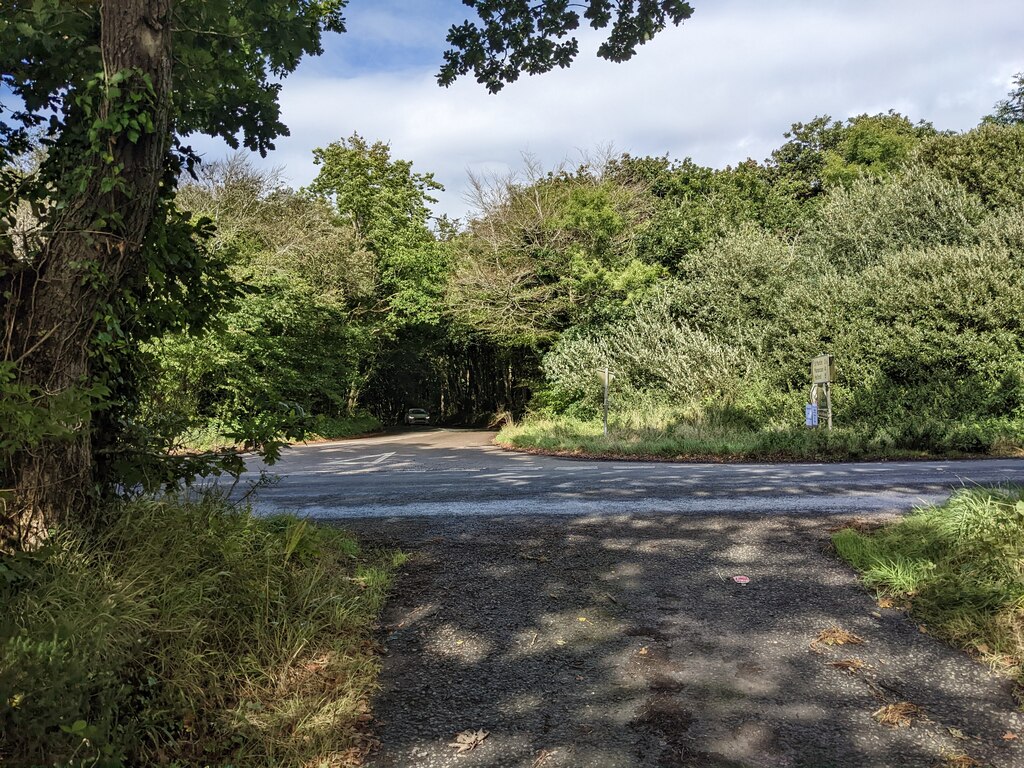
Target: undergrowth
[
  {"x": 187, "y": 633},
  {"x": 214, "y": 434},
  {"x": 959, "y": 567},
  {"x": 664, "y": 434},
  {"x": 332, "y": 427}
]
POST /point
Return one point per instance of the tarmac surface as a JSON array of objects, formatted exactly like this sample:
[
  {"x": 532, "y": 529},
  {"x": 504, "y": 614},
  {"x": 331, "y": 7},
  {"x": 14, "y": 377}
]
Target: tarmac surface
[
  {"x": 429, "y": 472},
  {"x": 585, "y": 613}
]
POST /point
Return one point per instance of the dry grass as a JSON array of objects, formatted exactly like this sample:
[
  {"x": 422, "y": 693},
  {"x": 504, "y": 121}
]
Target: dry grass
[
  {"x": 207, "y": 636},
  {"x": 858, "y": 524},
  {"x": 835, "y": 635},
  {"x": 898, "y": 715},
  {"x": 851, "y": 665},
  {"x": 959, "y": 760}
]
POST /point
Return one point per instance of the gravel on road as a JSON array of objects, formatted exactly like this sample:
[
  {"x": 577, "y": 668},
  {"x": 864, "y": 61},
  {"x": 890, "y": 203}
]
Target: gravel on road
[{"x": 624, "y": 641}]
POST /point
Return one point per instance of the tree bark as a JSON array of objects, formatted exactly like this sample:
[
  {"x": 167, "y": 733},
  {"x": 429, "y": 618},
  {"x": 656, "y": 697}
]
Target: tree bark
[{"x": 62, "y": 292}]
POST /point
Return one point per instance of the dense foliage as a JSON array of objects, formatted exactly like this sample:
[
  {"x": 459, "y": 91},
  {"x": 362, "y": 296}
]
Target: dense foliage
[
  {"x": 189, "y": 633},
  {"x": 895, "y": 248}
]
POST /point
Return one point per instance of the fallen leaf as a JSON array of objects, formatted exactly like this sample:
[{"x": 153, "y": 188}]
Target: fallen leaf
[
  {"x": 836, "y": 635},
  {"x": 643, "y": 651},
  {"x": 538, "y": 558},
  {"x": 850, "y": 665},
  {"x": 922, "y": 629},
  {"x": 956, "y": 733},
  {"x": 960, "y": 760},
  {"x": 582, "y": 618},
  {"x": 885, "y": 602},
  {"x": 1009, "y": 736},
  {"x": 898, "y": 715},
  {"x": 468, "y": 740}
]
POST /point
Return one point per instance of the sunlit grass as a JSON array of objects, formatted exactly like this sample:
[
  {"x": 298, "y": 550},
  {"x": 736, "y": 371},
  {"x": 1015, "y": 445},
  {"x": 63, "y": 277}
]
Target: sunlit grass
[
  {"x": 213, "y": 435},
  {"x": 959, "y": 566},
  {"x": 683, "y": 439},
  {"x": 657, "y": 431}
]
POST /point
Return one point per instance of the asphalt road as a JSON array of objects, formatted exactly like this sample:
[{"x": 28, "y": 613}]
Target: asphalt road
[
  {"x": 429, "y": 472},
  {"x": 585, "y": 614}
]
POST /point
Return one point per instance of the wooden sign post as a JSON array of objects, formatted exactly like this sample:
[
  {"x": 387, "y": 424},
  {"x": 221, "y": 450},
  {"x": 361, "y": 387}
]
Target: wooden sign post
[{"x": 606, "y": 378}]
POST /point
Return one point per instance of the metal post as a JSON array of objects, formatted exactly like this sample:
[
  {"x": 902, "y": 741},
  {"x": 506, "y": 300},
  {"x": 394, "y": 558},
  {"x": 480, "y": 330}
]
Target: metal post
[
  {"x": 828, "y": 403},
  {"x": 606, "y": 373}
]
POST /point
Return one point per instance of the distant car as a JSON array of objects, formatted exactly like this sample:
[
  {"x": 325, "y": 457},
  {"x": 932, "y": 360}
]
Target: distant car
[{"x": 416, "y": 416}]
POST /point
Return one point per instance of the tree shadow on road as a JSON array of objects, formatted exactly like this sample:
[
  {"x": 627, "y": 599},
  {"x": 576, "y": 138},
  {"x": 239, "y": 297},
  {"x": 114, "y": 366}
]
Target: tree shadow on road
[{"x": 604, "y": 641}]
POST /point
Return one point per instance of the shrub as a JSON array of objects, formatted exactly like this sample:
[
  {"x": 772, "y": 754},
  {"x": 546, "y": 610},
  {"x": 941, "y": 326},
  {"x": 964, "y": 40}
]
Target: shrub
[
  {"x": 651, "y": 351},
  {"x": 914, "y": 208}
]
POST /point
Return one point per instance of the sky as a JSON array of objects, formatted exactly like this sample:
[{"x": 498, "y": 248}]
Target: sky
[{"x": 724, "y": 86}]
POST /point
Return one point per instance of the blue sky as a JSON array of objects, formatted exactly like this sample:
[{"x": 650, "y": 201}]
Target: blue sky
[{"x": 723, "y": 87}]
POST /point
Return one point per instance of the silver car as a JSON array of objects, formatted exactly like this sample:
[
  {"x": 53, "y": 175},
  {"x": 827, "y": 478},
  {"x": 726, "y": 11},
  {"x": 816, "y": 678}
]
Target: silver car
[{"x": 416, "y": 416}]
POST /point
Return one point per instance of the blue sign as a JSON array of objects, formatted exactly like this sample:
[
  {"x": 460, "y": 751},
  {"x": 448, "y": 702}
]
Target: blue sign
[{"x": 811, "y": 414}]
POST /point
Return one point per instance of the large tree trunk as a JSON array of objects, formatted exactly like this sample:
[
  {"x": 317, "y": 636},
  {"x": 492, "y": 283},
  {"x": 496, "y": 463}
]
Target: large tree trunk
[{"x": 61, "y": 292}]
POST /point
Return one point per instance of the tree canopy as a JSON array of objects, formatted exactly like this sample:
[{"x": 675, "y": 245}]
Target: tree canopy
[
  {"x": 515, "y": 36},
  {"x": 107, "y": 94},
  {"x": 1011, "y": 109}
]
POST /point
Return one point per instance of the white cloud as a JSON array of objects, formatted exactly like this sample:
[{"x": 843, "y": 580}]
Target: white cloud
[{"x": 723, "y": 87}]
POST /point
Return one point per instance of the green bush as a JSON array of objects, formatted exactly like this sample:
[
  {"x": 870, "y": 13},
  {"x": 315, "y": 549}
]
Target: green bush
[
  {"x": 915, "y": 208},
  {"x": 331, "y": 427},
  {"x": 927, "y": 336},
  {"x": 187, "y": 632}
]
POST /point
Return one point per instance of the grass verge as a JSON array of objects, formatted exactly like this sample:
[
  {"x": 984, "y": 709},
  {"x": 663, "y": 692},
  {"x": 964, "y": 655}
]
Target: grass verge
[
  {"x": 958, "y": 567},
  {"x": 708, "y": 440},
  {"x": 333, "y": 428},
  {"x": 188, "y": 633},
  {"x": 213, "y": 435}
]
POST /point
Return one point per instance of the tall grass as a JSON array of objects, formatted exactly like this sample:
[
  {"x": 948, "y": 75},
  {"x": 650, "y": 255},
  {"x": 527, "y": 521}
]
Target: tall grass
[
  {"x": 192, "y": 634},
  {"x": 959, "y": 567},
  {"x": 651, "y": 430}
]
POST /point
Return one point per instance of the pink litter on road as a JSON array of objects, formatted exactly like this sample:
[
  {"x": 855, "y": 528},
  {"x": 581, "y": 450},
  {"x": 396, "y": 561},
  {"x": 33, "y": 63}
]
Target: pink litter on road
[{"x": 741, "y": 579}]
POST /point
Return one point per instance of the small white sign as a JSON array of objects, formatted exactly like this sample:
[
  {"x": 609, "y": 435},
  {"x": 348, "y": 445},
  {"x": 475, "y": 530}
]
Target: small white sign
[{"x": 811, "y": 414}]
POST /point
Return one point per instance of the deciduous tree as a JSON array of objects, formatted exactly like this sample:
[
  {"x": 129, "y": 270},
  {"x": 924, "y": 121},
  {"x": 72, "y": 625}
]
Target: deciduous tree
[{"x": 113, "y": 88}]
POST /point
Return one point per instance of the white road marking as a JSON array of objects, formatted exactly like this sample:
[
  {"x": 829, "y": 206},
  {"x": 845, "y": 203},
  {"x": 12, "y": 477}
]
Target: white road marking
[{"x": 383, "y": 457}]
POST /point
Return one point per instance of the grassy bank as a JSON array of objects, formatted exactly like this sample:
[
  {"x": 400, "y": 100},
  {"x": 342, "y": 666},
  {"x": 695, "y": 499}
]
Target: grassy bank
[
  {"x": 959, "y": 568},
  {"x": 213, "y": 436},
  {"x": 189, "y": 634},
  {"x": 667, "y": 437}
]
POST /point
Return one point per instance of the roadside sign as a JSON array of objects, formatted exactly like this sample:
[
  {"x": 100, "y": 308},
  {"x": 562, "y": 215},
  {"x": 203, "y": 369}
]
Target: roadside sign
[
  {"x": 811, "y": 414},
  {"x": 607, "y": 377},
  {"x": 822, "y": 370},
  {"x": 823, "y": 373}
]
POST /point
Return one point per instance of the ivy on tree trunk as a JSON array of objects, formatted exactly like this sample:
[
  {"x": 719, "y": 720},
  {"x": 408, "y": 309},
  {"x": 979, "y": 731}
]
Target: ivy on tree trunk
[{"x": 114, "y": 155}]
